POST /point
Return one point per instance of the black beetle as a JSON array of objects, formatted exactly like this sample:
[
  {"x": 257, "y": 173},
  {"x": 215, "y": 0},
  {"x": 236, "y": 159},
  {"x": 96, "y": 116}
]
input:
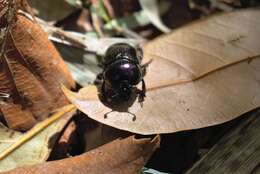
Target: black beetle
[{"x": 122, "y": 71}]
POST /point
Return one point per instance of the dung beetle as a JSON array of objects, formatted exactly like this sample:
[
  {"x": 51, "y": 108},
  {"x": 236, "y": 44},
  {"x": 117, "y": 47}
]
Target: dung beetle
[{"x": 122, "y": 71}]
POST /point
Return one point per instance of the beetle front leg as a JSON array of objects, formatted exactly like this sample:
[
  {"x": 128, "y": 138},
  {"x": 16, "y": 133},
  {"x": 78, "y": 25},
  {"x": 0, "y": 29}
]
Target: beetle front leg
[
  {"x": 103, "y": 91},
  {"x": 99, "y": 79},
  {"x": 142, "y": 93},
  {"x": 144, "y": 66}
]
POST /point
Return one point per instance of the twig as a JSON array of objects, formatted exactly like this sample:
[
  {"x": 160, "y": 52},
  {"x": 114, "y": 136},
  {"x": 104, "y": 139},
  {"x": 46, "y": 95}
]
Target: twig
[
  {"x": 97, "y": 24},
  {"x": 109, "y": 8},
  {"x": 129, "y": 33}
]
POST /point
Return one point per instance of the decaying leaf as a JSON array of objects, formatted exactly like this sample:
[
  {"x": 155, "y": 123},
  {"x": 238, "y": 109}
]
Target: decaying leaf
[
  {"x": 35, "y": 150},
  {"x": 120, "y": 156},
  {"x": 52, "y": 10},
  {"x": 201, "y": 75},
  {"x": 31, "y": 71}
]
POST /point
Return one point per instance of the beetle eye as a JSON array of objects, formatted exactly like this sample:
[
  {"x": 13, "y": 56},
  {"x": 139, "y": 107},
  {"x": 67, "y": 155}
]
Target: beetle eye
[{"x": 123, "y": 71}]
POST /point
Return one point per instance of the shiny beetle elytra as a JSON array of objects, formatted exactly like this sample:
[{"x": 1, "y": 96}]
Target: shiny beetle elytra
[{"x": 122, "y": 71}]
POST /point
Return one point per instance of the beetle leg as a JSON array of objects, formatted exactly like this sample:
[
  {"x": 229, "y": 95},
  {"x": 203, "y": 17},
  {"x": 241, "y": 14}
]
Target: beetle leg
[
  {"x": 147, "y": 63},
  {"x": 103, "y": 92},
  {"x": 106, "y": 114},
  {"x": 133, "y": 115},
  {"x": 142, "y": 93},
  {"x": 99, "y": 79},
  {"x": 144, "y": 66},
  {"x": 140, "y": 53}
]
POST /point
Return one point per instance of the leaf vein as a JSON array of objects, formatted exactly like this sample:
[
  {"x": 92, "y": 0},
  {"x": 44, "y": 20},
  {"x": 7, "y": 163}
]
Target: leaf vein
[{"x": 197, "y": 50}]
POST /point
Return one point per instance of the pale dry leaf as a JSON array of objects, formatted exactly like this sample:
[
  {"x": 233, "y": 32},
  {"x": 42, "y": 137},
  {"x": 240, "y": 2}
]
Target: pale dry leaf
[
  {"x": 203, "y": 74},
  {"x": 35, "y": 150}
]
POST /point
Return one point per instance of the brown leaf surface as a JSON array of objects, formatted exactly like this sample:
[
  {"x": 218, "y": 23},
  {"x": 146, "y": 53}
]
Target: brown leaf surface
[
  {"x": 203, "y": 74},
  {"x": 126, "y": 156},
  {"x": 31, "y": 71}
]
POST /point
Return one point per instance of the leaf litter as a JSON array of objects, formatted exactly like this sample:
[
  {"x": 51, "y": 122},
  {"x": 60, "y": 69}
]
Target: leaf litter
[{"x": 192, "y": 74}]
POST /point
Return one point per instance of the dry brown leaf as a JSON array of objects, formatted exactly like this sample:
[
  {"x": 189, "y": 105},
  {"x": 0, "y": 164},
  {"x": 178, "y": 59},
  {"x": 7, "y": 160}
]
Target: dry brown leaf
[
  {"x": 126, "y": 156},
  {"x": 203, "y": 74},
  {"x": 31, "y": 71}
]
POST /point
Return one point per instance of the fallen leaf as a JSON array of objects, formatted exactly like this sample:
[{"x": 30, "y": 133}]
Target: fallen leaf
[
  {"x": 36, "y": 150},
  {"x": 126, "y": 156},
  {"x": 31, "y": 71},
  {"x": 50, "y": 10},
  {"x": 203, "y": 74}
]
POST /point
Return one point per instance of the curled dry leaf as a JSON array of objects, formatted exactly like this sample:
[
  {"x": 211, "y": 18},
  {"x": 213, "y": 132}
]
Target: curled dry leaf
[
  {"x": 201, "y": 75},
  {"x": 126, "y": 156},
  {"x": 31, "y": 71},
  {"x": 37, "y": 149}
]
